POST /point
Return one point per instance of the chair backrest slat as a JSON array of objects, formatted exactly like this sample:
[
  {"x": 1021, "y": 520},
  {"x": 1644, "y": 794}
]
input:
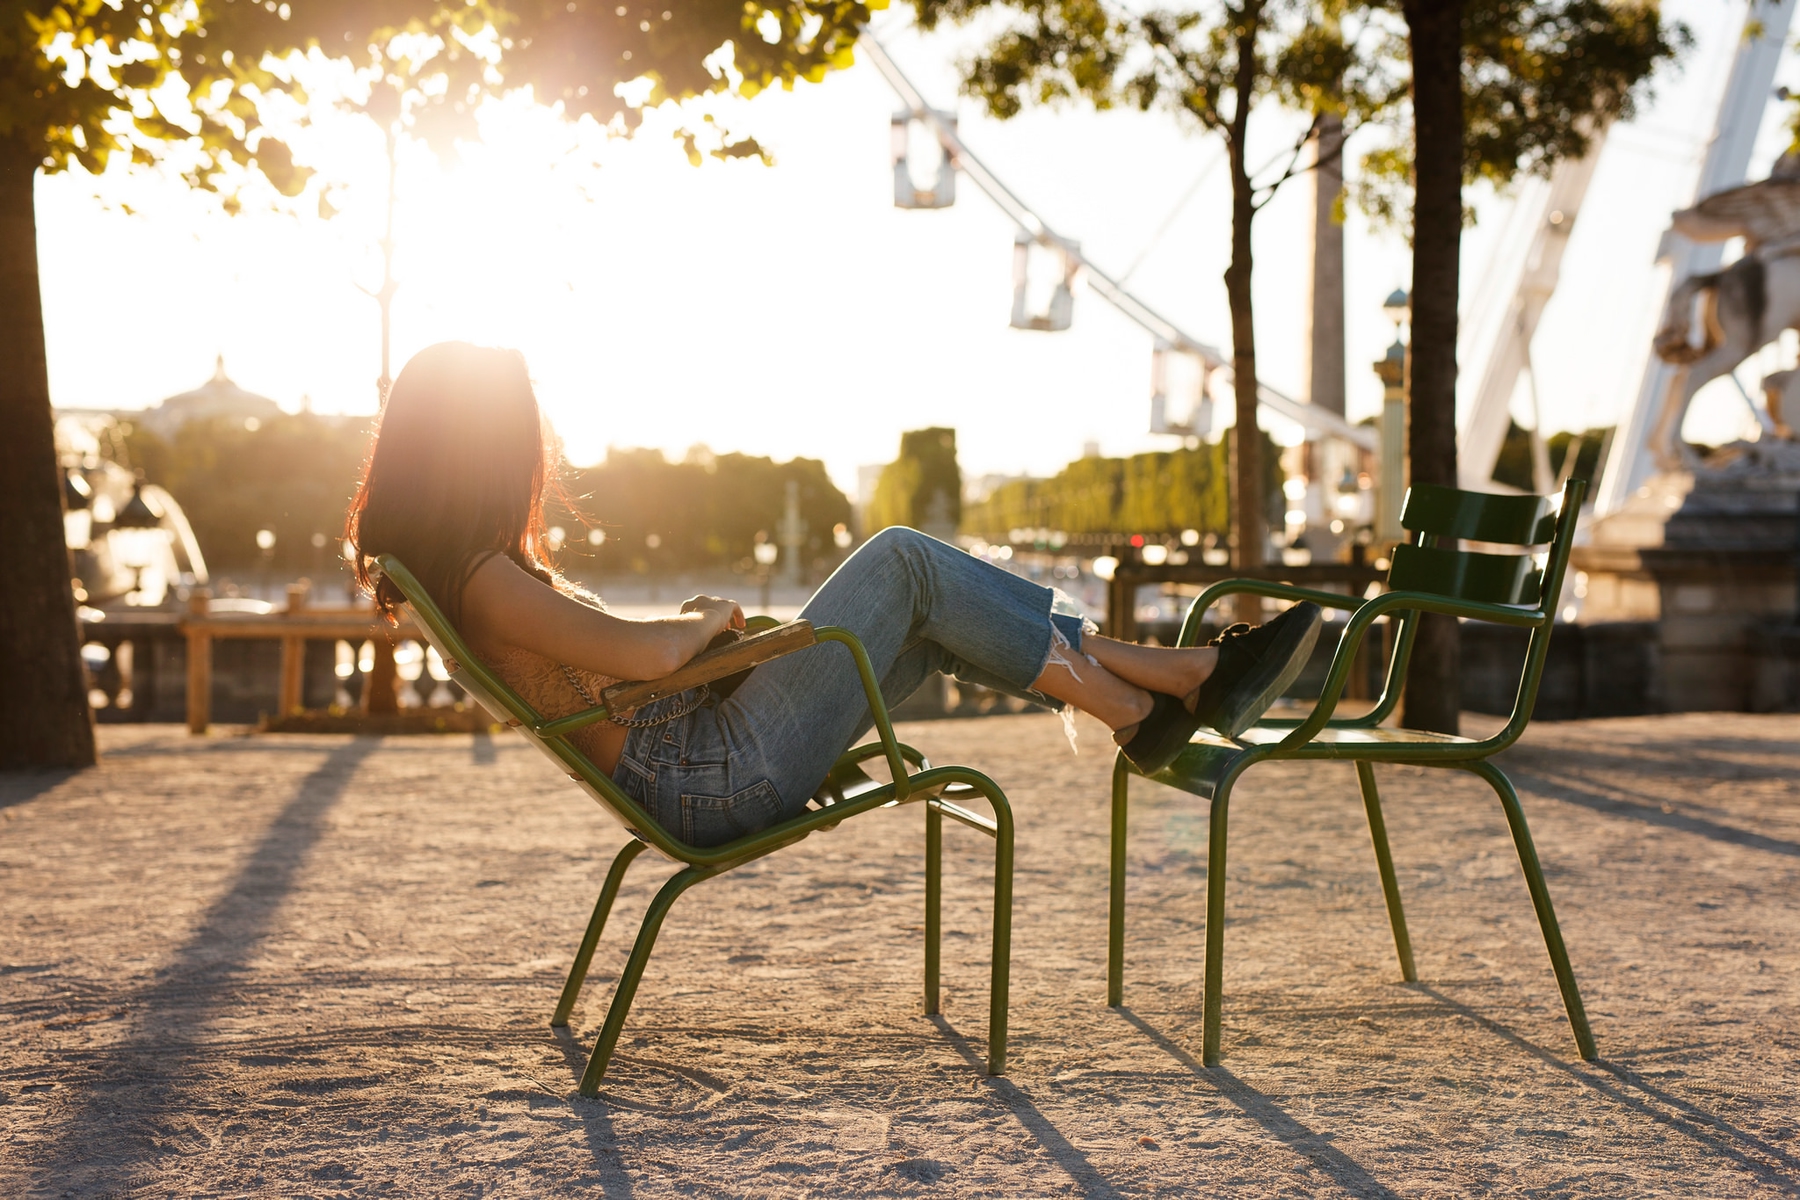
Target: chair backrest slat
[
  {"x": 1438, "y": 514},
  {"x": 1465, "y": 574},
  {"x": 1446, "y": 512}
]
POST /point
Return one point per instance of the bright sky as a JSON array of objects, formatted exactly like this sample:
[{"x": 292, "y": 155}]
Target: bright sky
[{"x": 793, "y": 310}]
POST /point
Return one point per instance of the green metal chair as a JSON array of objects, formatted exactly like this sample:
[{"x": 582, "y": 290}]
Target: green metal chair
[
  {"x": 848, "y": 791},
  {"x": 1430, "y": 574}
]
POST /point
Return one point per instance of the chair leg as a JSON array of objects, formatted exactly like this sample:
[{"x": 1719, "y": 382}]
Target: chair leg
[
  {"x": 1115, "y": 912},
  {"x": 1000, "y": 978},
  {"x": 596, "y": 925},
  {"x": 1540, "y": 900},
  {"x": 634, "y": 971},
  {"x": 1384, "y": 860},
  {"x": 934, "y": 904},
  {"x": 1215, "y": 922}
]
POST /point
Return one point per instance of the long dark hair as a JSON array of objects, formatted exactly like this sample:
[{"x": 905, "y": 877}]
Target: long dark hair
[{"x": 456, "y": 473}]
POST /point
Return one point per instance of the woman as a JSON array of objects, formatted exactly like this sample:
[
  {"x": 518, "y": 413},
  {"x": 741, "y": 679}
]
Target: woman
[{"x": 454, "y": 487}]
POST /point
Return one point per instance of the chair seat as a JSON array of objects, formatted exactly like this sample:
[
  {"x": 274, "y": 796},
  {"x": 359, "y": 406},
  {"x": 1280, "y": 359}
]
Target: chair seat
[
  {"x": 1268, "y": 735},
  {"x": 847, "y": 781},
  {"x": 1209, "y": 756}
]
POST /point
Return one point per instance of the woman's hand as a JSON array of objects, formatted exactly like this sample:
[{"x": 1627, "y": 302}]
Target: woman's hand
[{"x": 726, "y": 612}]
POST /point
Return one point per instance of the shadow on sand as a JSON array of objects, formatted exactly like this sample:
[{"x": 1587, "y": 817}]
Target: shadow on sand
[
  {"x": 1074, "y": 1163},
  {"x": 1623, "y": 1086},
  {"x": 21, "y": 787},
  {"x": 1307, "y": 1143},
  {"x": 114, "y": 1131},
  {"x": 1584, "y": 793}
]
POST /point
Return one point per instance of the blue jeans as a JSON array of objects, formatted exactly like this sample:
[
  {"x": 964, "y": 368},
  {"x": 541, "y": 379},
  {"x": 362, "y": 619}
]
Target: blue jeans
[{"x": 918, "y": 605}]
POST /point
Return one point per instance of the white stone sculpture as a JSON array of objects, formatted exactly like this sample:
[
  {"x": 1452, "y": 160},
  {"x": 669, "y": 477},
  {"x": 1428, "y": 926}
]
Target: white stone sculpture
[{"x": 1715, "y": 321}]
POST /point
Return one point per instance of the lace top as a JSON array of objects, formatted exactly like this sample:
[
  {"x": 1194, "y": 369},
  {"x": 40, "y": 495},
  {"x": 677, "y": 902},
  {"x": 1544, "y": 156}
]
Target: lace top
[{"x": 545, "y": 685}]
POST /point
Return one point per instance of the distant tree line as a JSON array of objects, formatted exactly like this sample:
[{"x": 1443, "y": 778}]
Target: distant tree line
[
  {"x": 922, "y": 488},
  {"x": 707, "y": 510},
  {"x": 295, "y": 475},
  {"x": 1158, "y": 492}
]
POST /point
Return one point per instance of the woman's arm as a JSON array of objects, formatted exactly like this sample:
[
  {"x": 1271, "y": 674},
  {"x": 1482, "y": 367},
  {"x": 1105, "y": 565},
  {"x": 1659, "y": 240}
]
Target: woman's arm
[{"x": 503, "y": 603}]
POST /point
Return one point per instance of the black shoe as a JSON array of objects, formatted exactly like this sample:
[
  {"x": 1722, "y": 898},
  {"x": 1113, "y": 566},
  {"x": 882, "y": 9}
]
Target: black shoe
[
  {"x": 1162, "y": 735},
  {"x": 1255, "y": 666}
]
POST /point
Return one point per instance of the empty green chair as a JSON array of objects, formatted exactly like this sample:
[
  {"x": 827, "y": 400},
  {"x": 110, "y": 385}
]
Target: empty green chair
[
  {"x": 848, "y": 791},
  {"x": 1430, "y": 574}
]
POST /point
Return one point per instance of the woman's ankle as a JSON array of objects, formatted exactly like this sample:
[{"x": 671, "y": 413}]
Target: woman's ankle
[
  {"x": 1140, "y": 708},
  {"x": 1204, "y": 660}
]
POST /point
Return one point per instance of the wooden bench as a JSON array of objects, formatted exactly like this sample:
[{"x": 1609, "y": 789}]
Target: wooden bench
[{"x": 295, "y": 626}]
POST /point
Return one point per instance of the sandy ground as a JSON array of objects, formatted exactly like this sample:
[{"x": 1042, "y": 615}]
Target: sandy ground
[{"x": 290, "y": 965}]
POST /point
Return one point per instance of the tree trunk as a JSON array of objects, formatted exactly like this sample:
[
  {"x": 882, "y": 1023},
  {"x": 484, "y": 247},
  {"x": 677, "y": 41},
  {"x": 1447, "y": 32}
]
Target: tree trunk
[
  {"x": 44, "y": 718},
  {"x": 1434, "y": 28},
  {"x": 1249, "y": 517}
]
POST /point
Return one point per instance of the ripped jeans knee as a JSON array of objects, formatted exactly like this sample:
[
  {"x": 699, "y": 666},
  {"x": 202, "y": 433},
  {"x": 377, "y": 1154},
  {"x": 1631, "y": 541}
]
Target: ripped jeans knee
[{"x": 1062, "y": 653}]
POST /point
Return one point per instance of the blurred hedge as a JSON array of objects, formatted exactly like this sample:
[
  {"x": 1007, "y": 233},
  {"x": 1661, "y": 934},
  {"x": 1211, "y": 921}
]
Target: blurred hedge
[
  {"x": 1157, "y": 492},
  {"x": 295, "y": 475},
  {"x": 704, "y": 511},
  {"x": 921, "y": 488}
]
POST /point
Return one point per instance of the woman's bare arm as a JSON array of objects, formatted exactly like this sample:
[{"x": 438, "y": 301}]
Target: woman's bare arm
[{"x": 503, "y": 603}]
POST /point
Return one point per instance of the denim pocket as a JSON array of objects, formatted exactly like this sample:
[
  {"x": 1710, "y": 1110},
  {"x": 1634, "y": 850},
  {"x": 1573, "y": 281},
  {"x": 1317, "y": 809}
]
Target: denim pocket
[
  {"x": 714, "y": 820},
  {"x": 691, "y": 740}
]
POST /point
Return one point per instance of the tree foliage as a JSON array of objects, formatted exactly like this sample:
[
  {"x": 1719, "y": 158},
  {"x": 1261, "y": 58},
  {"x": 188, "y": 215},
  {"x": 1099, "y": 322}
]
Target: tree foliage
[
  {"x": 1185, "y": 59},
  {"x": 206, "y": 84},
  {"x": 704, "y": 511},
  {"x": 921, "y": 488},
  {"x": 1160, "y": 492},
  {"x": 293, "y": 475},
  {"x": 1539, "y": 78}
]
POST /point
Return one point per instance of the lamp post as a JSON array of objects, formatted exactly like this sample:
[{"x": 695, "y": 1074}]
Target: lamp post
[
  {"x": 384, "y": 108},
  {"x": 78, "y": 509},
  {"x": 137, "y": 534},
  {"x": 596, "y": 538},
  {"x": 265, "y": 542},
  {"x": 1390, "y": 487},
  {"x": 793, "y": 534},
  {"x": 765, "y": 553}
]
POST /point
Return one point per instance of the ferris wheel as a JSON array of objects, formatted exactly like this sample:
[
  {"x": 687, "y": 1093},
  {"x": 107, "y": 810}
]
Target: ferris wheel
[
  {"x": 1183, "y": 369},
  {"x": 1503, "y": 311}
]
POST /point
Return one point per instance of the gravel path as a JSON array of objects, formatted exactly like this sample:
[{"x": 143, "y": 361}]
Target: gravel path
[{"x": 313, "y": 965}]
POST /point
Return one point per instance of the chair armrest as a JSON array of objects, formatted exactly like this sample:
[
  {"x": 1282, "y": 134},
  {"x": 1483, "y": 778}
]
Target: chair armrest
[
  {"x": 1475, "y": 610},
  {"x": 1190, "y": 628},
  {"x": 709, "y": 665},
  {"x": 1341, "y": 661},
  {"x": 704, "y": 667},
  {"x": 1358, "y": 626}
]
